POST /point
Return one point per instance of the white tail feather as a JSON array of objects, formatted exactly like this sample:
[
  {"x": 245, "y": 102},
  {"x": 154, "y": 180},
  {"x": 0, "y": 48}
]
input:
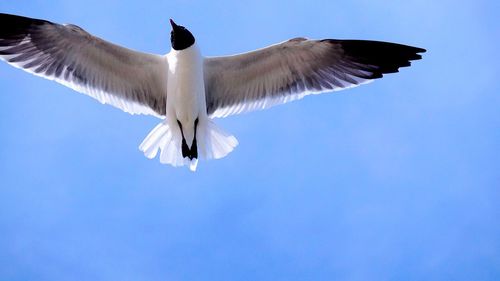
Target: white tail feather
[
  {"x": 213, "y": 143},
  {"x": 162, "y": 138}
]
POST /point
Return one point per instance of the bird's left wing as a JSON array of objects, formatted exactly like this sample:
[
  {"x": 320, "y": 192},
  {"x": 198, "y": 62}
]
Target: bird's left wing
[
  {"x": 293, "y": 69},
  {"x": 132, "y": 81}
]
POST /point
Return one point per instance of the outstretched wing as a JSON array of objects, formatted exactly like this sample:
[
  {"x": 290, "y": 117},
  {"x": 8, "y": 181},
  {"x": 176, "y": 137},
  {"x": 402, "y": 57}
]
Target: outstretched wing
[
  {"x": 132, "y": 81},
  {"x": 293, "y": 69}
]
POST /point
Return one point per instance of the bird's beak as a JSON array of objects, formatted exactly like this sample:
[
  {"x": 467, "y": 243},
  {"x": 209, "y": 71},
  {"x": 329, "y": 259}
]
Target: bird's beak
[{"x": 174, "y": 25}]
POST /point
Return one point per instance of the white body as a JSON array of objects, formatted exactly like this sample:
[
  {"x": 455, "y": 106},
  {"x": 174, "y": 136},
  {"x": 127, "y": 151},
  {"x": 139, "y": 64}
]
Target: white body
[
  {"x": 185, "y": 103},
  {"x": 186, "y": 90}
]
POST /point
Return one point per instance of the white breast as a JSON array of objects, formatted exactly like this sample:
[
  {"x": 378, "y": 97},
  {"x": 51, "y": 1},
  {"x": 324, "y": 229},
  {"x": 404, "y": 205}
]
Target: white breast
[{"x": 186, "y": 87}]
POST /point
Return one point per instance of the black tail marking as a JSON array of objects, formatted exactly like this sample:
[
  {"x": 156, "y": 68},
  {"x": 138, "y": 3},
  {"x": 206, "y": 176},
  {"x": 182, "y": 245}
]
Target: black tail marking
[{"x": 186, "y": 152}]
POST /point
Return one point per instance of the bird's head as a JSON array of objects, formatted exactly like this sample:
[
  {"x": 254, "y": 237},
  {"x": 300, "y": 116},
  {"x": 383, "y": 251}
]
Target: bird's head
[{"x": 180, "y": 37}]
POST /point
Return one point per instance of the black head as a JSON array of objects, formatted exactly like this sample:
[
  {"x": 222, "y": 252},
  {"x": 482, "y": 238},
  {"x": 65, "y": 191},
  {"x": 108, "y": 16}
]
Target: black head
[{"x": 180, "y": 37}]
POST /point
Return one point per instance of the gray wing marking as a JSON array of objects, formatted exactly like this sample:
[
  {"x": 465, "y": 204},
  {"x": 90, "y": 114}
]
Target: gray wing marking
[
  {"x": 293, "y": 69},
  {"x": 132, "y": 81}
]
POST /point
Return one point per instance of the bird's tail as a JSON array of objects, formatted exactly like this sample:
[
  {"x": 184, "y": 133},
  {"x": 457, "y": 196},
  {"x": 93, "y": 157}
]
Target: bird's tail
[{"x": 213, "y": 143}]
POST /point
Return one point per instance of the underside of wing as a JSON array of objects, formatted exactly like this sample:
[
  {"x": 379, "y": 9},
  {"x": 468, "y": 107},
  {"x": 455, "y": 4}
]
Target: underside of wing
[
  {"x": 132, "y": 81},
  {"x": 293, "y": 69}
]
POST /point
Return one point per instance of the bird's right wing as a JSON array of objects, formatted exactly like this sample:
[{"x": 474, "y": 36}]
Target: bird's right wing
[
  {"x": 293, "y": 69},
  {"x": 132, "y": 81}
]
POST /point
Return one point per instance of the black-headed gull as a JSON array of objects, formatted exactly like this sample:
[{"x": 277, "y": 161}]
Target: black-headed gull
[{"x": 186, "y": 89}]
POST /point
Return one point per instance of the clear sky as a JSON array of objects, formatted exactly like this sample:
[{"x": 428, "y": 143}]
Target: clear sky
[{"x": 395, "y": 180}]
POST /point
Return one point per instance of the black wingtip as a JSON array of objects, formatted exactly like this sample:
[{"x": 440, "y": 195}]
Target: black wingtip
[
  {"x": 385, "y": 57},
  {"x": 13, "y": 26},
  {"x": 420, "y": 50}
]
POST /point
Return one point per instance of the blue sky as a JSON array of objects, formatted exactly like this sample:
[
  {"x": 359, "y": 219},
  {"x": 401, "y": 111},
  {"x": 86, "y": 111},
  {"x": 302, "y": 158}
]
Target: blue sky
[{"x": 395, "y": 180}]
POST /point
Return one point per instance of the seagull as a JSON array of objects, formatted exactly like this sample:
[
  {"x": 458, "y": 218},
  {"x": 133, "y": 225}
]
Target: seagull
[{"x": 187, "y": 90}]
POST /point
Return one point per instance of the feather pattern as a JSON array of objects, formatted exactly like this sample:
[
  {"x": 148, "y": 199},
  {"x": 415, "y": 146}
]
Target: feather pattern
[
  {"x": 290, "y": 70},
  {"x": 132, "y": 81}
]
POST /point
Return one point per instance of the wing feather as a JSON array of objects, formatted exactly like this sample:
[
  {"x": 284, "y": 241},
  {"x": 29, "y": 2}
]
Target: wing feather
[
  {"x": 298, "y": 67},
  {"x": 132, "y": 81}
]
